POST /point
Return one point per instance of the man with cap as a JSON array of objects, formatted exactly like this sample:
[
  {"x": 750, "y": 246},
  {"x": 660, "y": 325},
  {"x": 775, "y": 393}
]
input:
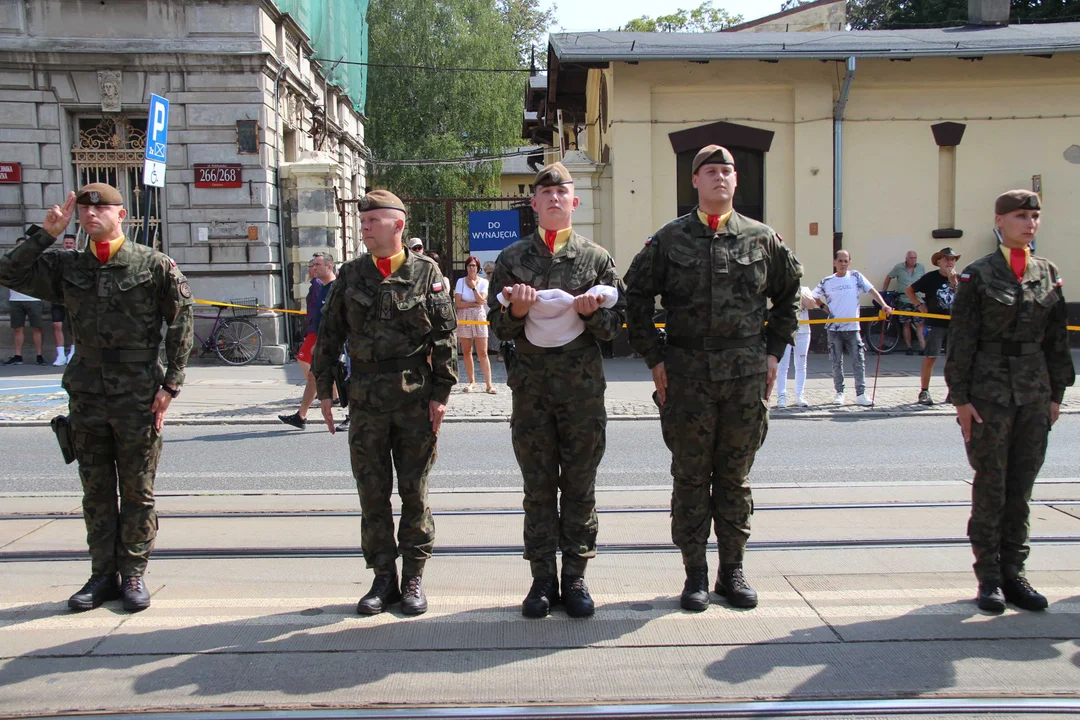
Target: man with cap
[
  {"x": 416, "y": 245},
  {"x": 939, "y": 291},
  {"x": 558, "y": 425},
  {"x": 393, "y": 307},
  {"x": 1007, "y": 368},
  {"x": 118, "y": 294},
  {"x": 715, "y": 271}
]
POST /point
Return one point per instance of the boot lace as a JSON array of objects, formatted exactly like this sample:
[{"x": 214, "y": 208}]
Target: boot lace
[
  {"x": 133, "y": 583},
  {"x": 735, "y": 579},
  {"x": 1024, "y": 585},
  {"x": 412, "y": 586},
  {"x": 541, "y": 587},
  {"x": 577, "y": 586}
]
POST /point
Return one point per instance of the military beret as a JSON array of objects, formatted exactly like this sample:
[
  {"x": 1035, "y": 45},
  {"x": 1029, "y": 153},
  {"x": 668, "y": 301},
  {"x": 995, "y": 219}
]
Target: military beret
[
  {"x": 712, "y": 155},
  {"x": 552, "y": 175},
  {"x": 1016, "y": 200},
  {"x": 99, "y": 194},
  {"x": 377, "y": 199}
]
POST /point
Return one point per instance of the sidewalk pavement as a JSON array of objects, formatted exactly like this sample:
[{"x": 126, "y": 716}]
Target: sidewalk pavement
[{"x": 257, "y": 394}]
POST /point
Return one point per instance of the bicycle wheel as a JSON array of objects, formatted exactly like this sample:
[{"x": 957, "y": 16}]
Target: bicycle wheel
[
  {"x": 238, "y": 342},
  {"x": 874, "y": 340}
]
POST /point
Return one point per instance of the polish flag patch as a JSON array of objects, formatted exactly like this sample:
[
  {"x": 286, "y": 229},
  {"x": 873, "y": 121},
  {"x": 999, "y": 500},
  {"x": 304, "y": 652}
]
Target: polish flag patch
[
  {"x": 965, "y": 277},
  {"x": 1061, "y": 282},
  {"x": 436, "y": 287}
]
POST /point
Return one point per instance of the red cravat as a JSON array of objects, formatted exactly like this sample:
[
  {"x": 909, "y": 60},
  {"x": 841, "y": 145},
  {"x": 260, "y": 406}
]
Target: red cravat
[
  {"x": 714, "y": 222},
  {"x": 549, "y": 238},
  {"x": 1018, "y": 261},
  {"x": 384, "y": 266},
  {"x": 101, "y": 249}
]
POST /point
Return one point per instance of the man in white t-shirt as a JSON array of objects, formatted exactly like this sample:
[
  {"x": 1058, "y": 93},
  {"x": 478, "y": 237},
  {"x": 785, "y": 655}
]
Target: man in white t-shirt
[
  {"x": 23, "y": 308},
  {"x": 839, "y": 294}
]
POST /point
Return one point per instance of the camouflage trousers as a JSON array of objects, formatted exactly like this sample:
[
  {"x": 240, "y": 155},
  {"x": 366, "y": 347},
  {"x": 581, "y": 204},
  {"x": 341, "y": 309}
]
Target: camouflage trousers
[
  {"x": 558, "y": 446},
  {"x": 379, "y": 443},
  {"x": 714, "y": 430},
  {"x": 118, "y": 450},
  {"x": 1006, "y": 452}
]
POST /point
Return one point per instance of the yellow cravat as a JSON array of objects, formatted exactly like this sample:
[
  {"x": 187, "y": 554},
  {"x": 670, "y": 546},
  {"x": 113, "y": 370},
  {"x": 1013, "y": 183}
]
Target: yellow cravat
[
  {"x": 719, "y": 226},
  {"x": 561, "y": 238},
  {"x": 114, "y": 247},
  {"x": 396, "y": 261}
]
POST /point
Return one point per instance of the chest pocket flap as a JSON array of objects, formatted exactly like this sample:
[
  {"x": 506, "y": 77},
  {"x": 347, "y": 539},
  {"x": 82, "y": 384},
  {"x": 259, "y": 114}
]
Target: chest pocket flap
[
  {"x": 134, "y": 280},
  {"x": 751, "y": 256},
  {"x": 683, "y": 257},
  {"x": 360, "y": 295},
  {"x": 409, "y": 302},
  {"x": 1003, "y": 295},
  {"x": 78, "y": 278},
  {"x": 1048, "y": 297}
]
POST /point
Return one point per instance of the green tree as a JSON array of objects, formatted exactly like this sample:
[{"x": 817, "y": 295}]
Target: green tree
[
  {"x": 415, "y": 114},
  {"x": 887, "y": 14},
  {"x": 703, "y": 18},
  {"x": 528, "y": 27}
]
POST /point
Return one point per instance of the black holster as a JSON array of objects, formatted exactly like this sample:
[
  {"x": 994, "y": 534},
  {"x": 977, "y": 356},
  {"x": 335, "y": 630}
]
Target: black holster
[
  {"x": 509, "y": 353},
  {"x": 62, "y": 428},
  {"x": 341, "y": 380}
]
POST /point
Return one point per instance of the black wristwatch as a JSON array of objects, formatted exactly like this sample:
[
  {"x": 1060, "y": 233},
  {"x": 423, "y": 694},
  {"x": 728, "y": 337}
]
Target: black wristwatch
[{"x": 172, "y": 391}]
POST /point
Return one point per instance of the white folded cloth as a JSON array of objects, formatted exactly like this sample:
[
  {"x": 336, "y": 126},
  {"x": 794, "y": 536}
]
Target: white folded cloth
[{"x": 552, "y": 322}]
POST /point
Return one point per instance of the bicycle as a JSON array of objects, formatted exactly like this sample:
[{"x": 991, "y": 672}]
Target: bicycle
[
  {"x": 234, "y": 340},
  {"x": 883, "y": 336}
]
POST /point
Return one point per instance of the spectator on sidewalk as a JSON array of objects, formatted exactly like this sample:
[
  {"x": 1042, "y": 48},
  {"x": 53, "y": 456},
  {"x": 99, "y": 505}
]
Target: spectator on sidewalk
[
  {"x": 489, "y": 272},
  {"x": 802, "y": 347},
  {"x": 23, "y": 307},
  {"x": 417, "y": 246},
  {"x": 470, "y": 299},
  {"x": 58, "y": 314},
  {"x": 939, "y": 291},
  {"x": 904, "y": 274},
  {"x": 321, "y": 272},
  {"x": 839, "y": 295}
]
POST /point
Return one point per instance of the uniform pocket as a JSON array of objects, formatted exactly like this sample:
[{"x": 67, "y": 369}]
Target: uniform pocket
[{"x": 751, "y": 269}]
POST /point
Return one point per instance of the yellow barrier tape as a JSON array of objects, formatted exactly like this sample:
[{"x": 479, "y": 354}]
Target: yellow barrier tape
[{"x": 215, "y": 303}]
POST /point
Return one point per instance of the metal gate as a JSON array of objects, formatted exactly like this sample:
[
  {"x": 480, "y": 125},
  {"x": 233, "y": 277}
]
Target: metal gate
[{"x": 110, "y": 150}]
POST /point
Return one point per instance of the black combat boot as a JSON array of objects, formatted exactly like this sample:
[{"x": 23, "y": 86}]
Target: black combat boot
[
  {"x": 383, "y": 593},
  {"x": 542, "y": 595},
  {"x": 98, "y": 589},
  {"x": 1019, "y": 592},
  {"x": 133, "y": 590},
  {"x": 695, "y": 592},
  {"x": 576, "y": 598},
  {"x": 413, "y": 599},
  {"x": 732, "y": 584},
  {"x": 990, "y": 597}
]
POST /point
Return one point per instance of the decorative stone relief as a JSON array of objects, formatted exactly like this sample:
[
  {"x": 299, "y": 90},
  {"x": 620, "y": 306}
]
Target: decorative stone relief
[{"x": 109, "y": 80}]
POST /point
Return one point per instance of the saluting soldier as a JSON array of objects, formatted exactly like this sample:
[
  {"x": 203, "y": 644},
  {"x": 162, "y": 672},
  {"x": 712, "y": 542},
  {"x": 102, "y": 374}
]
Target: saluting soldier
[
  {"x": 559, "y": 421},
  {"x": 715, "y": 271},
  {"x": 117, "y": 295},
  {"x": 1007, "y": 369},
  {"x": 392, "y": 306}
]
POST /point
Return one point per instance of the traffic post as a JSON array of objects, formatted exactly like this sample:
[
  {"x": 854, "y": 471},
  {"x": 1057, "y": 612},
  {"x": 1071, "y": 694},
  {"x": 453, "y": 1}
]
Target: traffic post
[{"x": 157, "y": 131}]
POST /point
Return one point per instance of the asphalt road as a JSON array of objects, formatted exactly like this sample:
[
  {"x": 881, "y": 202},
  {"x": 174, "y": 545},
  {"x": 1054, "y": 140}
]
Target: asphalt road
[{"x": 479, "y": 455}]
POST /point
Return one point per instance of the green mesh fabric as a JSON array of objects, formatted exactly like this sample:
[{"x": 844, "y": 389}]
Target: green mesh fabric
[{"x": 338, "y": 29}]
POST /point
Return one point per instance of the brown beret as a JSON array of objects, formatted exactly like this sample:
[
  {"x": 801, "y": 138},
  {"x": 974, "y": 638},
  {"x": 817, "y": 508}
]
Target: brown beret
[
  {"x": 552, "y": 175},
  {"x": 712, "y": 155},
  {"x": 1016, "y": 200},
  {"x": 377, "y": 199},
  {"x": 99, "y": 194}
]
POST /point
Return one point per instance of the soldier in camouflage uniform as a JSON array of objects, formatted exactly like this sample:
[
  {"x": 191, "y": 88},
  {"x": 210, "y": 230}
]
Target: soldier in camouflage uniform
[
  {"x": 1007, "y": 369},
  {"x": 393, "y": 308},
  {"x": 117, "y": 295},
  {"x": 714, "y": 270},
  {"x": 559, "y": 420}
]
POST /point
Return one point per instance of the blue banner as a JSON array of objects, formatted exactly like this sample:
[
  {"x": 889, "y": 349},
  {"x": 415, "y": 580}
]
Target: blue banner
[{"x": 493, "y": 230}]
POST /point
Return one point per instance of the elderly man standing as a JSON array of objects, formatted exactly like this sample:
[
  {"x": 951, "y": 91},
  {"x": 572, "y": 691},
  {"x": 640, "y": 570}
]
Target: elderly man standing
[
  {"x": 394, "y": 309},
  {"x": 716, "y": 272},
  {"x": 905, "y": 274},
  {"x": 118, "y": 295},
  {"x": 938, "y": 290},
  {"x": 559, "y": 421}
]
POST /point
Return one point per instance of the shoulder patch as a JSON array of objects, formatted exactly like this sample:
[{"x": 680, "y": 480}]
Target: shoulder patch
[
  {"x": 436, "y": 286},
  {"x": 185, "y": 289},
  {"x": 965, "y": 277},
  {"x": 779, "y": 237},
  {"x": 648, "y": 241},
  {"x": 1060, "y": 281}
]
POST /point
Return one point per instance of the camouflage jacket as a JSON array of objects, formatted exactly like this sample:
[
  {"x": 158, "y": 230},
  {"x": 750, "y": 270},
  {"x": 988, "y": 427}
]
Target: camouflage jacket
[
  {"x": 116, "y": 306},
  {"x": 407, "y": 314},
  {"x": 992, "y": 307},
  {"x": 714, "y": 284}
]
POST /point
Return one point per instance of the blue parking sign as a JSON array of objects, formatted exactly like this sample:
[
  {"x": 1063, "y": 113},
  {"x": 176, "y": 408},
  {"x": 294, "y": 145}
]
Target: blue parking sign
[{"x": 157, "y": 129}]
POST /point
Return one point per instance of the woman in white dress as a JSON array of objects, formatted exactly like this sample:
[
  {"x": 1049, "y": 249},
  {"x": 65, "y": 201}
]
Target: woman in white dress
[{"x": 470, "y": 299}]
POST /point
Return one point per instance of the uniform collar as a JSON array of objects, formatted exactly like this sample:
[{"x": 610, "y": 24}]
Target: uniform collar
[
  {"x": 572, "y": 249},
  {"x": 733, "y": 227}
]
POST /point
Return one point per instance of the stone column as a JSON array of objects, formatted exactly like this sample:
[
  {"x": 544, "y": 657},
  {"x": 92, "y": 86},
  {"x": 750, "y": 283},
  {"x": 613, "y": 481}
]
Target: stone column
[
  {"x": 312, "y": 221},
  {"x": 587, "y": 218}
]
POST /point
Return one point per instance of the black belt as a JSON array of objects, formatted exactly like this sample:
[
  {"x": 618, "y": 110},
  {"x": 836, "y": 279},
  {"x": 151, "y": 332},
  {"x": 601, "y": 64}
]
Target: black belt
[
  {"x": 117, "y": 355},
  {"x": 389, "y": 366},
  {"x": 524, "y": 347},
  {"x": 701, "y": 342},
  {"x": 1010, "y": 348}
]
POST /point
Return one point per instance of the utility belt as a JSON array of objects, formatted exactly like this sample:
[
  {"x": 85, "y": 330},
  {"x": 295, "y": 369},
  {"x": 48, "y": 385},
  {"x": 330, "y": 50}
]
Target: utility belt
[
  {"x": 117, "y": 355},
  {"x": 702, "y": 342},
  {"x": 524, "y": 347},
  {"x": 1010, "y": 348},
  {"x": 388, "y": 366}
]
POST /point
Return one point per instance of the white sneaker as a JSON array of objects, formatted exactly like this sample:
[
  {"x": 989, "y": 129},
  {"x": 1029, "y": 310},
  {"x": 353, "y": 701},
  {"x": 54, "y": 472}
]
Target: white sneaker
[
  {"x": 781, "y": 402},
  {"x": 863, "y": 400},
  {"x": 71, "y": 354},
  {"x": 801, "y": 401},
  {"x": 61, "y": 359},
  {"x": 839, "y": 399}
]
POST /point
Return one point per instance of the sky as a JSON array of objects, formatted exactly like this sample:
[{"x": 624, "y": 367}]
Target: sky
[{"x": 577, "y": 16}]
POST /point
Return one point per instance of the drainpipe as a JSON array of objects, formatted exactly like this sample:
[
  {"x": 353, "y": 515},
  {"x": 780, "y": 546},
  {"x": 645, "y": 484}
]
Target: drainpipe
[
  {"x": 838, "y": 157},
  {"x": 280, "y": 223}
]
